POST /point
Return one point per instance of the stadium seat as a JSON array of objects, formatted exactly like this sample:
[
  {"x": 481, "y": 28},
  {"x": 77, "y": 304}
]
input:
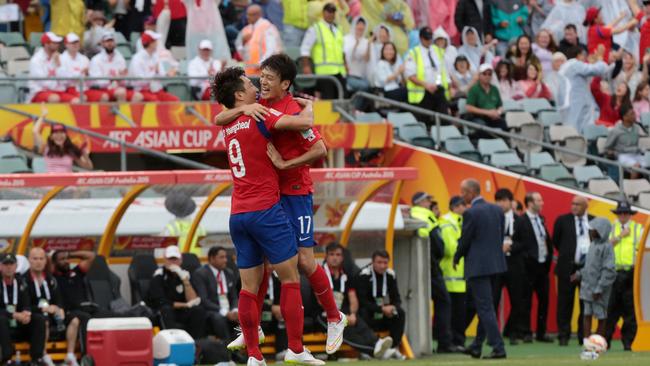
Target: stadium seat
[
  {"x": 541, "y": 158},
  {"x": 372, "y": 117},
  {"x": 558, "y": 133},
  {"x": 583, "y": 174},
  {"x": 125, "y": 50},
  {"x": 592, "y": 132},
  {"x": 644, "y": 200},
  {"x": 179, "y": 52},
  {"x": 557, "y": 173},
  {"x": 13, "y": 164},
  {"x": 13, "y": 39},
  {"x": 533, "y": 131},
  {"x": 8, "y": 93},
  {"x": 35, "y": 40},
  {"x": 536, "y": 105},
  {"x": 140, "y": 274},
  {"x": 17, "y": 67},
  {"x": 645, "y": 119},
  {"x": 38, "y": 165},
  {"x": 600, "y": 144},
  {"x": 293, "y": 52},
  {"x": 182, "y": 67},
  {"x": 134, "y": 37},
  {"x": 634, "y": 187},
  {"x": 549, "y": 118},
  {"x": 462, "y": 106},
  {"x": 8, "y": 149},
  {"x": 604, "y": 187},
  {"x": 179, "y": 89},
  {"x": 508, "y": 160},
  {"x": 190, "y": 262},
  {"x": 463, "y": 147},
  {"x": 512, "y": 105},
  {"x": 487, "y": 147},
  {"x": 13, "y": 53},
  {"x": 401, "y": 118},
  {"x": 575, "y": 143},
  {"x": 517, "y": 119},
  {"x": 416, "y": 134},
  {"x": 446, "y": 132},
  {"x": 644, "y": 143},
  {"x": 103, "y": 283}
]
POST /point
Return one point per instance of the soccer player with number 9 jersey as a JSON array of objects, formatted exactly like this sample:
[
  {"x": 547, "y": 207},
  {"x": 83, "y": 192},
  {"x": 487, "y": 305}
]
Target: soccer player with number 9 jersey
[{"x": 259, "y": 226}]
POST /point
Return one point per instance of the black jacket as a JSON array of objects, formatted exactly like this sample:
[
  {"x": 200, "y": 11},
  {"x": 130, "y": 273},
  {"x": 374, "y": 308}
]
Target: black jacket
[
  {"x": 524, "y": 240},
  {"x": 565, "y": 241},
  {"x": 53, "y": 288},
  {"x": 467, "y": 14},
  {"x": 206, "y": 286},
  {"x": 23, "y": 301},
  {"x": 565, "y": 46},
  {"x": 363, "y": 286}
]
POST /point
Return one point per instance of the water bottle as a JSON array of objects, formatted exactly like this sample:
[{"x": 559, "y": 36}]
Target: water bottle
[
  {"x": 60, "y": 326},
  {"x": 18, "y": 358}
]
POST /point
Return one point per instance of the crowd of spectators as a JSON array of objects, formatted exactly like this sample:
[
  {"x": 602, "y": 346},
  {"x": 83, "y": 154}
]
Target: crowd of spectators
[{"x": 51, "y": 300}]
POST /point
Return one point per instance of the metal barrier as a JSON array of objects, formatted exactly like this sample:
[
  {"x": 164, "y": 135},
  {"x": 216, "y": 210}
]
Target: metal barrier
[
  {"x": 498, "y": 132},
  {"x": 81, "y": 81},
  {"x": 123, "y": 144}
]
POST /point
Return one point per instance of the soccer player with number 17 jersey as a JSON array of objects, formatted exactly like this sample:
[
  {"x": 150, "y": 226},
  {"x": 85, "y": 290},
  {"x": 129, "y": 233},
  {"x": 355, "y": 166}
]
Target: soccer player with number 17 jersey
[
  {"x": 259, "y": 226},
  {"x": 294, "y": 151}
]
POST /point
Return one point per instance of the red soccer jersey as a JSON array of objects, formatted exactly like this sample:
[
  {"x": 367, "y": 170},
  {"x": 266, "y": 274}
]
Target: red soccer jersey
[
  {"x": 597, "y": 35},
  {"x": 292, "y": 144},
  {"x": 255, "y": 180}
]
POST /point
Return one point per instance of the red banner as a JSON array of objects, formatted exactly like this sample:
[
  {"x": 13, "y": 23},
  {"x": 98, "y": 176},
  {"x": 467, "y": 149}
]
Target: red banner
[
  {"x": 144, "y": 242},
  {"x": 69, "y": 243},
  {"x": 163, "y": 139}
]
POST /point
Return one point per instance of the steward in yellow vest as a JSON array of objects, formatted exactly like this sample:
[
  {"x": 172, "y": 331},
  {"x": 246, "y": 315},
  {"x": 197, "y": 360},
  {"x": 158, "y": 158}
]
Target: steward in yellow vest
[
  {"x": 425, "y": 209},
  {"x": 424, "y": 75},
  {"x": 450, "y": 229},
  {"x": 625, "y": 237},
  {"x": 181, "y": 205}
]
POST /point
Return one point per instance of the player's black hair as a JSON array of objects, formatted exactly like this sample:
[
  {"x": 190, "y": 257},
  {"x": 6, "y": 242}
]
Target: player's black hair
[
  {"x": 282, "y": 65},
  {"x": 380, "y": 253},
  {"x": 226, "y": 83},
  {"x": 503, "y": 194},
  {"x": 333, "y": 247},
  {"x": 214, "y": 251},
  {"x": 624, "y": 109}
]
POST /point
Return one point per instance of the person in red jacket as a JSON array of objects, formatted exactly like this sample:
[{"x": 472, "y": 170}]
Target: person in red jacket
[
  {"x": 601, "y": 34},
  {"x": 178, "y": 24},
  {"x": 643, "y": 17},
  {"x": 610, "y": 106}
]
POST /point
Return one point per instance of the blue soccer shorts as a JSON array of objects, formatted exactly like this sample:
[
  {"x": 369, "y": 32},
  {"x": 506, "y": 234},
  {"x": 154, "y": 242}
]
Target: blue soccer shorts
[
  {"x": 259, "y": 234},
  {"x": 300, "y": 210}
]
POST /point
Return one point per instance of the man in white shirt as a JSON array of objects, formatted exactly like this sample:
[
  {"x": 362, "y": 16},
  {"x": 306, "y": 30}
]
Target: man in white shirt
[
  {"x": 43, "y": 64},
  {"x": 145, "y": 65},
  {"x": 424, "y": 81},
  {"x": 109, "y": 63},
  {"x": 73, "y": 64},
  {"x": 532, "y": 235},
  {"x": 204, "y": 66},
  {"x": 257, "y": 41}
]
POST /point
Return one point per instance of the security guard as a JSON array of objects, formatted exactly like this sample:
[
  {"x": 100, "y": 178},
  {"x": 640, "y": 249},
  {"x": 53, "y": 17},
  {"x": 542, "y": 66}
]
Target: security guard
[
  {"x": 181, "y": 205},
  {"x": 450, "y": 230},
  {"x": 625, "y": 237},
  {"x": 323, "y": 42},
  {"x": 425, "y": 209},
  {"x": 424, "y": 81}
]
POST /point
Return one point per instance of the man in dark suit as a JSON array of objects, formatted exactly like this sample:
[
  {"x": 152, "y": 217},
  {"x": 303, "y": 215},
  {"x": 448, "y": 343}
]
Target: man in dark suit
[
  {"x": 532, "y": 239},
  {"x": 570, "y": 232},
  {"x": 215, "y": 285},
  {"x": 481, "y": 244}
]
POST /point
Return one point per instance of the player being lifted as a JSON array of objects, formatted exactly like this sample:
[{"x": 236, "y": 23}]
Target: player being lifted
[
  {"x": 259, "y": 226},
  {"x": 295, "y": 149}
]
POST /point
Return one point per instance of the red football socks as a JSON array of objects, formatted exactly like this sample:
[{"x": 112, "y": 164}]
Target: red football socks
[
  {"x": 249, "y": 321},
  {"x": 293, "y": 314},
  {"x": 261, "y": 292},
  {"x": 323, "y": 291}
]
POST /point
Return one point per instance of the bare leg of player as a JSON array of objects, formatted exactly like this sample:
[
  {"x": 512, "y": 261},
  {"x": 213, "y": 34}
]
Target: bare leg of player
[
  {"x": 587, "y": 326},
  {"x": 320, "y": 285},
  {"x": 601, "y": 326},
  {"x": 293, "y": 313},
  {"x": 249, "y": 316}
]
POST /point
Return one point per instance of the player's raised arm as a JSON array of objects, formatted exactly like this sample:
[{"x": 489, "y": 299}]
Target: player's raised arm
[
  {"x": 302, "y": 121},
  {"x": 255, "y": 110},
  {"x": 317, "y": 151}
]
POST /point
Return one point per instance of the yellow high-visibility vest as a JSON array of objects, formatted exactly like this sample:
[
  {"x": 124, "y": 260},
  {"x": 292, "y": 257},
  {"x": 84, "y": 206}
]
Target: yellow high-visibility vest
[
  {"x": 440, "y": 53},
  {"x": 450, "y": 230},
  {"x": 416, "y": 92},
  {"x": 295, "y": 13},
  {"x": 625, "y": 250},
  {"x": 427, "y": 216},
  {"x": 327, "y": 52},
  {"x": 180, "y": 229}
]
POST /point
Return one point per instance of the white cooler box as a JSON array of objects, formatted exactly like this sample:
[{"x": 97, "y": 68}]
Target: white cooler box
[{"x": 173, "y": 346}]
